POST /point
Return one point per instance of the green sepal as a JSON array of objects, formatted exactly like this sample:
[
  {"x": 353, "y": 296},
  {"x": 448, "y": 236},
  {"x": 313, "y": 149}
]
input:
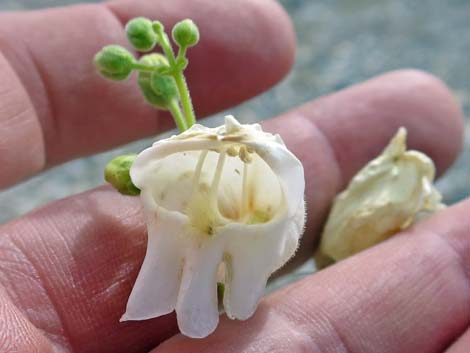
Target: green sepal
[
  {"x": 140, "y": 34},
  {"x": 117, "y": 174}
]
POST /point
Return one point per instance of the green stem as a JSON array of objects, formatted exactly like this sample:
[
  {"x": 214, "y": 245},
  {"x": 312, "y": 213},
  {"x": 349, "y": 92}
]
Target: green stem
[
  {"x": 185, "y": 98},
  {"x": 181, "y": 53},
  {"x": 177, "y": 115},
  {"x": 167, "y": 49},
  {"x": 179, "y": 78}
]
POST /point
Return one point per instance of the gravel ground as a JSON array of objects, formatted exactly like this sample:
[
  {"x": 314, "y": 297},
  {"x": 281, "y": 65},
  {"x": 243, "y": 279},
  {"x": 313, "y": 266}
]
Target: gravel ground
[{"x": 340, "y": 43}]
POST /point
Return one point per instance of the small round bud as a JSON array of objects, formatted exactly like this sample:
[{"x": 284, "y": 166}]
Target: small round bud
[
  {"x": 159, "y": 90},
  {"x": 185, "y": 33},
  {"x": 114, "y": 62},
  {"x": 117, "y": 174},
  {"x": 140, "y": 34}
]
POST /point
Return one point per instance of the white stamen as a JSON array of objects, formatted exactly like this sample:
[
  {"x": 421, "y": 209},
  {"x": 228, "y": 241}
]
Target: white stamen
[
  {"x": 199, "y": 165},
  {"x": 245, "y": 192},
  {"x": 216, "y": 181}
]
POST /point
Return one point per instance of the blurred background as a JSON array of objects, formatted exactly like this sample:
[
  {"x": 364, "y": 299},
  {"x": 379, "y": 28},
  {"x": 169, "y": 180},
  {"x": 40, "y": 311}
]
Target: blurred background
[{"x": 340, "y": 43}]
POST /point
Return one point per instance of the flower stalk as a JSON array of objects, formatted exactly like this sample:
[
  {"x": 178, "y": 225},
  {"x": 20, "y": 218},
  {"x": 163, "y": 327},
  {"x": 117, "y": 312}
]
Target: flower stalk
[
  {"x": 117, "y": 63},
  {"x": 160, "y": 77},
  {"x": 177, "y": 69}
]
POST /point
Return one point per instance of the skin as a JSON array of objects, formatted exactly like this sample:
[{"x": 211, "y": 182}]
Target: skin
[{"x": 67, "y": 269}]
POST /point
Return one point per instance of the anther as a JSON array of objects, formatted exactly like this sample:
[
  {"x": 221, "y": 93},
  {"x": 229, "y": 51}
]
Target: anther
[
  {"x": 244, "y": 155},
  {"x": 232, "y": 151}
]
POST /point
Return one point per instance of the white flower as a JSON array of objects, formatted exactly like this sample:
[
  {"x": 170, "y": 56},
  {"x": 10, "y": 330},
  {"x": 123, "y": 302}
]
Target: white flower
[
  {"x": 224, "y": 200},
  {"x": 386, "y": 196}
]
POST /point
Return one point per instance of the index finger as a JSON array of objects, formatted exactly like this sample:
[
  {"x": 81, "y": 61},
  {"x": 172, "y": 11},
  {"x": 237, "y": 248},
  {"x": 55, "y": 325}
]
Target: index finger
[{"x": 55, "y": 107}]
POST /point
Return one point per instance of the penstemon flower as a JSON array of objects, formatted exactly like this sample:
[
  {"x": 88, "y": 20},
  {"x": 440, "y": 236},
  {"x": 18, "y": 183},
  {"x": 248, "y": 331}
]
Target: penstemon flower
[
  {"x": 223, "y": 200},
  {"x": 386, "y": 196},
  {"x": 224, "y": 206}
]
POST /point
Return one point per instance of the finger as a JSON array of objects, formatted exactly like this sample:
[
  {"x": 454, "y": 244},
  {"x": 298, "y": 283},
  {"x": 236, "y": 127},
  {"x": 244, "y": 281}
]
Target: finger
[
  {"x": 462, "y": 344},
  {"x": 17, "y": 333},
  {"x": 54, "y": 99},
  {"x": 410, "y": 294},
  {"x": 90, "y": 247}
]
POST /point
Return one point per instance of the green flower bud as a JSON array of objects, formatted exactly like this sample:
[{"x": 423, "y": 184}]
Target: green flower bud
[
  {"x": 114, "y": 62},
  {"x": 159, "y": 90},
  {"x": 117, "y": 174},
  {"x": 185, "y": 33},
  {"x": 140, "y": 34}
]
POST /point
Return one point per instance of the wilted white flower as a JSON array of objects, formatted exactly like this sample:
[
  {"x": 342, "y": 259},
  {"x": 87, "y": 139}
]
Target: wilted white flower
[
  {"x": 385, "y": 197},
  {"x": 224, "y": 200}
]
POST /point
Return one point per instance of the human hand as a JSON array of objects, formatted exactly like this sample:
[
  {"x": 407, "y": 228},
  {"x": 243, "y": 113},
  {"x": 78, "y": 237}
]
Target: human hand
[{"x": 67, "y": 269}]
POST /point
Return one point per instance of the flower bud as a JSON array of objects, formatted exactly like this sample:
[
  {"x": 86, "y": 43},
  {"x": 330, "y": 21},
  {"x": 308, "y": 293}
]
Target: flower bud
[
  {"x": 185, "y": 33},
  {"x": 159, "y": 90},
  {"x": 117, "y": 174},
  {"x": 140, "y": 34},
  {"x": 114, "y": 62}
]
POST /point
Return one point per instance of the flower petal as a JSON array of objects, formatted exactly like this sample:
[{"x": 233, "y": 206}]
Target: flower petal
[
  {"x": 197, "y": 309},
  {"x": 156, "y": 288},
  {"x": 252, "y": 254}
]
